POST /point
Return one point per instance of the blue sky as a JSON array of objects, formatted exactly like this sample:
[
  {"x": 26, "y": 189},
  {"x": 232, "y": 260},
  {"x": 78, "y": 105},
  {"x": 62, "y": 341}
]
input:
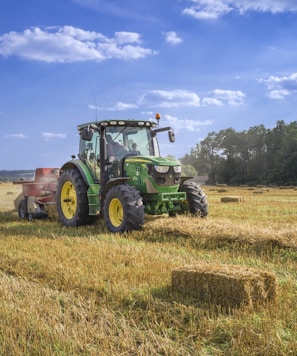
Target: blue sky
[{"x": 204, "y": 65}]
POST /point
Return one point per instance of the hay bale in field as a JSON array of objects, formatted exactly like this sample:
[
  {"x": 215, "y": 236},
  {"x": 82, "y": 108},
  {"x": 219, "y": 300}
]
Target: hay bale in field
[
  {"x": 232, "y": 199},
  {"x": 262, "y": 191},
  {"x": 225, "y": 285},
  {"x": 222, "y": 190}
]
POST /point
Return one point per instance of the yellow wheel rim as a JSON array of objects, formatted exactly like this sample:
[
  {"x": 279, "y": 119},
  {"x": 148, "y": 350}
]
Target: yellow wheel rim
[
  {"x": 68, "y": 200},
  {"x": 116, "y": 212}
]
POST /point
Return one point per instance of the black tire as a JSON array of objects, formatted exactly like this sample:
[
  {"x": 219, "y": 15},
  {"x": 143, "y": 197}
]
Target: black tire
[
  {"x": 196, "y": 198},
  {"x": 72, "y": 199},
  {"x": 123, "y": 209},
  {"x": 22, "y": 209}
]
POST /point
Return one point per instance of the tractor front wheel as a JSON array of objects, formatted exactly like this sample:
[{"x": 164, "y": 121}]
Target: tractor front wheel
[
  {"x": 196, "y": 198},
  {"x": 123, "y": 209},
  {"x": 72, "y": 200}
]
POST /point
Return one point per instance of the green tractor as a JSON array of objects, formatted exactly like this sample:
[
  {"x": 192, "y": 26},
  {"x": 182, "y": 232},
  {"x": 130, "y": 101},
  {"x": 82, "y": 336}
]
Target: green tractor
[{"x": 120, "y": 176}]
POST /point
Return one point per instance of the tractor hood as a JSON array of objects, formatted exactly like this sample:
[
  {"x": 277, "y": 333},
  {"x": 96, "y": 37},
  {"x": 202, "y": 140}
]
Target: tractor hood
[
  {"x": 156, "y": 161},
  {"x": 152, "y": 174}
]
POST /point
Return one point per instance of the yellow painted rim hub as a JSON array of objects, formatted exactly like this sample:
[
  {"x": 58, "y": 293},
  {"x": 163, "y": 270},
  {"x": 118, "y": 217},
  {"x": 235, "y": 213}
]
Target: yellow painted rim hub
[
  {"x": 116, "y": 212},
  {"x": 68, "y": 200}
]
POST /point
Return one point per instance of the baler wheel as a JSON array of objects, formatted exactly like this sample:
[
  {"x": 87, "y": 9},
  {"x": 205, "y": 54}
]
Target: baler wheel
[
  {"x": 123, "y": 209},
  {"x": 22, "y": 209}
]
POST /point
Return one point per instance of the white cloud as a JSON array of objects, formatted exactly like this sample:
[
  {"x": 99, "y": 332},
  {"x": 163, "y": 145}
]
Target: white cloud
[
  {"x": 93, "y": 107},
  {"x": 213, "y": 9},
  {"x": 278, "y": 94},
  {"x": 178, "y": 98},
  {"x": 16, "y": 135},
  {"x": 51, "y": 135},
  {"x": 208, "y": 9},
  {"x": 120, "y": 106},
  {"x": 225, "y": 97},
  {"x": 211, "y": 102},
  {"x": 275, "y": 6},
  {"x": 185, "y": 124},
  {"x": 70, "y": 44},
  {"x": 280, "y": 87},
  {"x": 166, "y": 99},
  {"x": 127, "y": 37},
  {"x": 172, "y": 38}
]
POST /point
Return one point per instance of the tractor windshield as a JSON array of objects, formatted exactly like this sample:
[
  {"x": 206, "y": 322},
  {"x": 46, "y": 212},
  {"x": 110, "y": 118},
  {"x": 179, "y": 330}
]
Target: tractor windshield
[{"x": 130, "y": 140}]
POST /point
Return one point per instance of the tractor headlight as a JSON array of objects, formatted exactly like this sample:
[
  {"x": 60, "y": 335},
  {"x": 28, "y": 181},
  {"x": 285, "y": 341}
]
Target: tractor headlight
[
  {"x": 177, "y": 169},
  {"x": 161, "y": 169}
]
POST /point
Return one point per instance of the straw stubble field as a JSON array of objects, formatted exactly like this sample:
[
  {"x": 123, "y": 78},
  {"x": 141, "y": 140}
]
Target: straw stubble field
[{"x": 86, "y": 291}]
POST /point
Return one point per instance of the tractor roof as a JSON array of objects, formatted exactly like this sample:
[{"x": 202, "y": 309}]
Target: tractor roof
[{"x": 119, "y": 122}]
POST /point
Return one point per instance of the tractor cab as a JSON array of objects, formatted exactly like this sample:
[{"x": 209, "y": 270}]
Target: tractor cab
[{"x": 120, "y": 139}]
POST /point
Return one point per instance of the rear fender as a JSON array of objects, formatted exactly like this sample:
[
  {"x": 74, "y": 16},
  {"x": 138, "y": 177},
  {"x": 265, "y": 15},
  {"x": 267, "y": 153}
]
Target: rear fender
[
  {"x": 81, "y": 167},
  {"x": 93, "y": 187}
]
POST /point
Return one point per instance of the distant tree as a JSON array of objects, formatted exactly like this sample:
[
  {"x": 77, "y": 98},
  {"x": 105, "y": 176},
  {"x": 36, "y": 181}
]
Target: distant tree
[
  {"x": 253, "y": 156},
  {"x": 284, "y": 170}
]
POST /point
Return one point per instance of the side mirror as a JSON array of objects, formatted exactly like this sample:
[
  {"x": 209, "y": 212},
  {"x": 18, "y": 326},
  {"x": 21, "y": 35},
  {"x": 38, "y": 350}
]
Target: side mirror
[
  {"x": 171, "y": 136},
  {"x": 87, "y": 134}
]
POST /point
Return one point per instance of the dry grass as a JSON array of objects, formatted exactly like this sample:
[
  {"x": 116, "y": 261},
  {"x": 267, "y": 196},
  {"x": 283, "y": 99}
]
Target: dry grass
[
  {"x": 8, "y": 193},
  {"x": 86, "y": 291}
]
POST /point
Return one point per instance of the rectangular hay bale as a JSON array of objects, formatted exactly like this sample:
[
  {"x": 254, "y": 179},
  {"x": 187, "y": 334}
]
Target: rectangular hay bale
[
  {"x": 225, "y": 285},
  {"x": 232, "y": 199}
]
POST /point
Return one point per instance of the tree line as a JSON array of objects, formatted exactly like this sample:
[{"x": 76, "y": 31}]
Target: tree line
[
  {"x": 7, "y": 176},
  {"x": 254, "y": 156}
]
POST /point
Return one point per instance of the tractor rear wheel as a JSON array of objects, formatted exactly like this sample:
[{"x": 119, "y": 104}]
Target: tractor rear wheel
[
  {"x": 196, "y": 198},
  {"x": 22, "y": 209},
  {"x": 123, "y": 209},
  {"x": 72, "y": 200}
]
